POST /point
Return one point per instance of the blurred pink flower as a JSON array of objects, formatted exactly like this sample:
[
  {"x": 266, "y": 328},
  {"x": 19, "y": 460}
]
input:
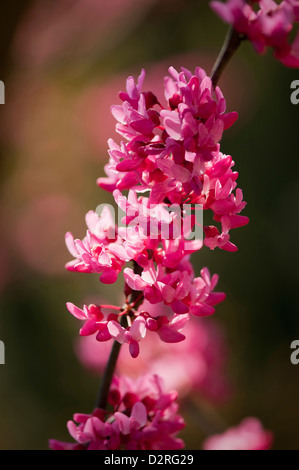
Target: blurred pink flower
[
  {"x": 52, "y": 30},
  {"x": 248, "y": 435},
  {"x": 37, "y": 232},
  {"x": 196, "y": 364}
]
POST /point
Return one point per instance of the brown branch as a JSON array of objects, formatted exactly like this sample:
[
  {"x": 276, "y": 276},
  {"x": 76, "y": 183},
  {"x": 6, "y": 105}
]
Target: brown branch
[
  {"x": 136, "y": 298},
  {"x": 231, "y": 44}
]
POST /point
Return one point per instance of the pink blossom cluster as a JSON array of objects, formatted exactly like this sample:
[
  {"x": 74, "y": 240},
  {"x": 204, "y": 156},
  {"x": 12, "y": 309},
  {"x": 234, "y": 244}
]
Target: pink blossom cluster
[
  {"x": 169, "y": 159},
  {"x": 266, "y": 23},
  {"x": 181, "y": 166},
  {"x": 174, "y": 154},
  {"x": 144, "y": 417},
  {"x": 170, "y": 289},
  {"x": 248, "y": 435},
  {"x": 174, "y": 151},
  {"x": 196, "y": 365}
]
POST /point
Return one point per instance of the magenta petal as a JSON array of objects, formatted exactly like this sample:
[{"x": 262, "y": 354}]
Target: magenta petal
[
  {"x": 202, "y": 310},
  {"x": 229, "y": 119},
  {"x": 229, "y": 247},
  {"x": 179, "y": 307},
  {"x": 238, "y": 221},
  {"x": 180, "y": 321},
  {"x": 123, "y": 422},
  {"x": 168, "y": 293},
  {"x": 119, "y": 251},
  {"x": 144, "y": 126},
  {"x": 133, "y": 280},
  {"x": 288, "y": 60},
  {"x": 103, "y": 335},
  {"x": 70, "y": 243},
  {"x": 215, "y": 298},
  {"x": 172, "y": 124},
  {"x": 116, "y": 331},
  {"x": 129, "y": 164},
  {"x": 139, "y": 413},
  {"x": 181, "y": 174},
  {"x": 108, "y": 184},
  {"x": 134, "y": 348},
  {"x": 89, "y": 328},
  {"x": 138, "y": 329},
  {"x": 109, "y": 277},
  {"x": 75, "y": 311},
  {"x": 169, "y": 335},
  {"x": 127, "y": 181}
]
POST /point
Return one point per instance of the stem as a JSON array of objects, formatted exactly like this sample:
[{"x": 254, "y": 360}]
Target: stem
[
  {"x": 102, "y": 398},
  {"x": 231, "y": 44},
  {"x": 113, "y": 307}
]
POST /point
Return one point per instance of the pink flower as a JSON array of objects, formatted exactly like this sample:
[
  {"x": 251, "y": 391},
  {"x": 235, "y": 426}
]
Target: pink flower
[
  {"x": 177, "y": 288},
  {"x": 221, "y": 240},
  {"x": 197, "y": 116},
  {"x": 144, "y": 417},
  {"x": 154, "y": 221},
  {"x": 167, "y": 325},
  {"x": 248, "y": 435},
  {"x": 93, "y": 316},
  {"x": 103, "y": 250},
  {"x": 92, "y": 254},
  {"x": 269, "y": 26},
  {"x": 195, "y": 365},
  {"x": 132, "y": 335},
  {"x": 203, "y": 297}
]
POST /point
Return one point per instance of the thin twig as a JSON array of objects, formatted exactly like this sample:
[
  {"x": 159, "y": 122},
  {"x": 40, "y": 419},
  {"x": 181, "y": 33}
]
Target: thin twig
[
  {"x": 102, "y": 398},
  {"x": 231, "y": 43},
  {"x": 136, "y": 298}
]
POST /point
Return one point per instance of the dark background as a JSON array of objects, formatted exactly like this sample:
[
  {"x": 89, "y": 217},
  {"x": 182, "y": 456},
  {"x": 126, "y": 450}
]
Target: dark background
[{"x": 53, "y": 133}]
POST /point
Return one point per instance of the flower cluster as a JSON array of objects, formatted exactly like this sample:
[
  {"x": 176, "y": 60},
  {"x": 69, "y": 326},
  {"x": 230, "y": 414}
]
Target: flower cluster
[
  {"x": 174, "y": 154},
  {"x": 164, "y": 174},
  {"x": 268, "y": 25},
  {"x": 144, "y": 417},
  {"x": 197, "y": 365},
  {"x": 170, "y": 289},
  {"x": 248, "y": 435}
]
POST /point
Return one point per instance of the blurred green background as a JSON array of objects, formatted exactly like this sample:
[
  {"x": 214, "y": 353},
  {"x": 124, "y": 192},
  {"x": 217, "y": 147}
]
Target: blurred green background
[{"x": 63, "y": 64}]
